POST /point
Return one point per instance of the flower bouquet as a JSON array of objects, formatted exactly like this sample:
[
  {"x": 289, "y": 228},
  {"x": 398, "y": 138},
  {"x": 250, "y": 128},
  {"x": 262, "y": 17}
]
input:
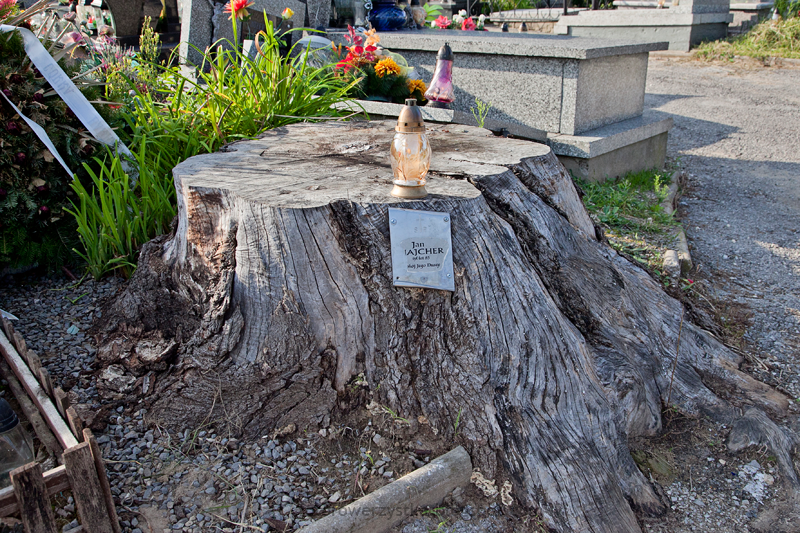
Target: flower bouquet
[
  {"x": 383, "y": 75},
  {"x": 460, "y": 21}
]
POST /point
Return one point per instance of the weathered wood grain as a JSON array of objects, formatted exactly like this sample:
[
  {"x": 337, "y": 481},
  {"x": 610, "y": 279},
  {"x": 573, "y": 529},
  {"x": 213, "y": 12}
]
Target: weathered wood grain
[
  {"x": 276, "y": 290},
  {"x": 86, "y": 490},
  {"x": 35, "y": 508},
  {"x": 30, "y": 411},
  {"x": 37, "y": 394},
  {"x": 55, "y": 481},
  {"x": 105, "y": 486}
]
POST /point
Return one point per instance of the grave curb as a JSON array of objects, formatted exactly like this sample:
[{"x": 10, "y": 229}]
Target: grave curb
[
  {"x": 678, "y": 261},
  {"x": 378, "y": 511}
]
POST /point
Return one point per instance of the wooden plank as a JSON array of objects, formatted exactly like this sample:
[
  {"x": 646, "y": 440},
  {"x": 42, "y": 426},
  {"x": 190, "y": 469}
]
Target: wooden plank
[
  {"x": 21, "y": 346},
  {"x": 6, "y": 326},
  {"x": 105, "y": 486},
  {"x": 30, "y": 411},
  {"x": 45, "y": 381},
  {"x": 83, "y": 479},
  {"x": 75, "y": 423},
  {"x": 61, "y": 400},
  {"x": 55, "y": 481},
  {"x": 35, "y": 509},
  {"x": 37, "y": 394},
  {"x": 34, "y": 363}
]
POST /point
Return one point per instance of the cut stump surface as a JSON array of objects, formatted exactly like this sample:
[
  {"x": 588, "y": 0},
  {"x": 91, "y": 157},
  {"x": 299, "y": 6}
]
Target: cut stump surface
[{"x": 275, "y": 290}]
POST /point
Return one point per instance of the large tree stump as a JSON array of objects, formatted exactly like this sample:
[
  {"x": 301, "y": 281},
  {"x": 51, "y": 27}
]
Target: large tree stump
[{"x": 276, "y": 289}]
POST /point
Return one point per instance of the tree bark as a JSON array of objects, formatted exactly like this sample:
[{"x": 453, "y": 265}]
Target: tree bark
[{"x": 276, "y": 290}]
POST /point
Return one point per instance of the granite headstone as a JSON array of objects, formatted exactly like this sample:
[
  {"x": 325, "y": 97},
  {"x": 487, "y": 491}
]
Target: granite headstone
[
  {"x": 127, "y": 16},
  {"x": 196, "y": 30}
]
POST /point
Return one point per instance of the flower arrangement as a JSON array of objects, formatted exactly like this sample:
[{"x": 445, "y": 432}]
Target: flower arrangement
[
  {"x": 460, "y": 21},
  {"x": 382, "y": 76}
]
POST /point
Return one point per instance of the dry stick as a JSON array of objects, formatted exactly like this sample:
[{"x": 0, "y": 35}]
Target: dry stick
[{"x": 675, "y": 363}]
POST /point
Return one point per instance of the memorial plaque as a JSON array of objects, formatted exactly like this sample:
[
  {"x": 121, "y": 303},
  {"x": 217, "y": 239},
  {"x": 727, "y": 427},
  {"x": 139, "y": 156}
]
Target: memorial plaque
[{"x": 422, "y": 249}]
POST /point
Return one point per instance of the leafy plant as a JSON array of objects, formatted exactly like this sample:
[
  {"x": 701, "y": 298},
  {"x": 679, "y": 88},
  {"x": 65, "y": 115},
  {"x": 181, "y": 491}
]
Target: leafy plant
[
  {"x": 433, "y": 12},
  {"x": 771, "y": 38},
  {"x": 34, "y": 187},
  {"x": 233, "y": 97},
  {"x": 456, "y": 424},
  {"x": 787, "y": 8},
  {"x": 480, "y": 110}
]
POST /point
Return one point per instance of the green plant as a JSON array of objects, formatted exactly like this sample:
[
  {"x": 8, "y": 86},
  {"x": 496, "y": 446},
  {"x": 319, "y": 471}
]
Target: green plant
[
  {"x": 34, "y": 187},
  {"x": 234, "y": 97},
  {"x": 456, "y": 424},
  {"x": 480, "y": 110},
  {"x": 771, "y": 38},
  {"x": 787, "y": 8},
  {"x": 433, "y": 12}
]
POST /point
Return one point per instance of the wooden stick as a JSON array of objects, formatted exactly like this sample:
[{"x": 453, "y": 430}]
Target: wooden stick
[
  {"x": 83, "y": 479},
  {"x": 75, "y": 423},
  {"x": 105, "y": 486},
  {"x": 45, "y": 381},
  {"x": 36, "y": 511},
  {"x": 34, "y": 363},
  {"x": 5, "y": 325},
  {"x": 29, "y": 410},
  {"x": 21, "y": 346},
  {"x": 55, "y": 481},
  {"x": 61, "y": 400},
  {"x": 37, "y": 394}
]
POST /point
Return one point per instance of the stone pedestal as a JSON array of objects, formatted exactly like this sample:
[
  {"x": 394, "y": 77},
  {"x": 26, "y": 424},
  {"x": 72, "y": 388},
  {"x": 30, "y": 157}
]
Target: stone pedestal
[
  {"x": 127, "y": 16},
  {"x": 683, "y": 26},
  {"x": 566, "y": 87}
]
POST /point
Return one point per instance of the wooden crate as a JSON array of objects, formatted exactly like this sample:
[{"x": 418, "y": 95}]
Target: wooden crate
[{"x": 60, "y": 428}]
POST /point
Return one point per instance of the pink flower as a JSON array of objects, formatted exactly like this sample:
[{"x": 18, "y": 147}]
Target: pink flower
[
  {"x": 238, "y": 8},
  {"x": 468, "y": 24},
  {"x": 6, "y": 5},
  {"x": 443, "y": 22}
]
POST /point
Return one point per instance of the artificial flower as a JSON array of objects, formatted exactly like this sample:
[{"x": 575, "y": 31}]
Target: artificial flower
[
  {"x": 386, "y": 66},
  {"x": 372, "y": 37},
  {"x": 462, "y": 13},
  {"x": 433, "y": 24},
  {"x": 482, "y": 18},
  {"x": 457, "y": 20},
  {"x": 287, "y": 14},
  {"x": 238, "y": 8},
  {"x": 468, "y": 24},
  {"x": 416, "y": 85},
  {"x": 442, "y": 22}
]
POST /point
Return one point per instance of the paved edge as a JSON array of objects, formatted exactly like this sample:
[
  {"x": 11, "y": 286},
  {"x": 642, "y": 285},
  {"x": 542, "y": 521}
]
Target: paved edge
[{"x": 378, "y": 511}]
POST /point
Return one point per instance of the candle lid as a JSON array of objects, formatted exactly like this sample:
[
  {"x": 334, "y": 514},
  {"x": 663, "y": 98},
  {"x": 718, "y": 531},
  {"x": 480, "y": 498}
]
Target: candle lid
[{"x": 410, "y": 119}]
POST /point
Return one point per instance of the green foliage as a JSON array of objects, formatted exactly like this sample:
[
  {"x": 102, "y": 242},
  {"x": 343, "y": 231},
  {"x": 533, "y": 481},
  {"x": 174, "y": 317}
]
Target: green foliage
[
  {"x": 771, "y": 38},
  {"x": 480, "y": 110},
  {"x": 120, "y": 68},
  {"x": 433, "y": 12},
  {"x": 34, "y": 187},
  {"x": 233, "y": 98},
  {"x": 391, "y": 86},
  {"x": 631, "y": 202},
  {"x": 787, "y": 8}
]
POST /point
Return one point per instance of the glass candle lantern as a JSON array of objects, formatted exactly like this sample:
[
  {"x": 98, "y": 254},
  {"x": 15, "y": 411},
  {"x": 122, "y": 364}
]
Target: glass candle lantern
[
  {"x": 440, "y": 92},
  {"x": 16, "y": 448},
  {"x": 410, "y": 153}
]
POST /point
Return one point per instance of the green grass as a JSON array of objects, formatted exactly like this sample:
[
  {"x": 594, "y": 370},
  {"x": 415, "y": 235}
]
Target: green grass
[
  {"x": 629, "y": 209},
  {"x": 766, "y": 40}
]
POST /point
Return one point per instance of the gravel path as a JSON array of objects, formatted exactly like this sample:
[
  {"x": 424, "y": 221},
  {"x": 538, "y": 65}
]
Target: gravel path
[{"x": 737, "y": 135}]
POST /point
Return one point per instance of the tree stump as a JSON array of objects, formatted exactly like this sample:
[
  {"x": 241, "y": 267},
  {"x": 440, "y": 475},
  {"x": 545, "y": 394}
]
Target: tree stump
[{"x": 275, "y": 290}]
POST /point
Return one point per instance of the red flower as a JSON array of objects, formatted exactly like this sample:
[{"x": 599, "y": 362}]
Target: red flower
[
  {"x": 468, "y": 24},
  {"x": 443, "y": 22},
  {"x": 358, "y": 50},
  {"x": 12, "y": 127},
  {"x": 238, "y": 8}
]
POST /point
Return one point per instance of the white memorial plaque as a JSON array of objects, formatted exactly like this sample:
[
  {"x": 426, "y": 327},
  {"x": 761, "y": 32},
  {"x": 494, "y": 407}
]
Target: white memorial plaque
[{"x": 422, "y": 249}]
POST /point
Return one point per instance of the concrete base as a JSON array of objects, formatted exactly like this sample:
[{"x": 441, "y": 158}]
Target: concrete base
[
  {"x": 681, "y": 30},
  {"x": 383, "y": 110},
  {"x": 747, "y": 15},
  {"x": 612, "y": 151}
]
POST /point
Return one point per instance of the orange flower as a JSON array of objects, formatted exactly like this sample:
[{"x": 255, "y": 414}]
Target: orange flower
[
  {"x": 372, "y": 37},
  {"x": 238, "y": 8},
  {"x": 416, "y": 85},
  {"x": 386, "y": 66}
]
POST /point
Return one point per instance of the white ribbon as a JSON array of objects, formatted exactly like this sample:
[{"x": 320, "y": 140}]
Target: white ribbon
[{"x": 68, "y": 92}]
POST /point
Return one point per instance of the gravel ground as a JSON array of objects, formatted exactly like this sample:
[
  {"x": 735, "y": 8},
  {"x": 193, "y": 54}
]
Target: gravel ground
[{"x": 736, "y": 135}]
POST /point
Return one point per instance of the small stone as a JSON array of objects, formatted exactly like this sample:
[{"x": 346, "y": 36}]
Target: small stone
[{"x": 335, "y": 497}]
